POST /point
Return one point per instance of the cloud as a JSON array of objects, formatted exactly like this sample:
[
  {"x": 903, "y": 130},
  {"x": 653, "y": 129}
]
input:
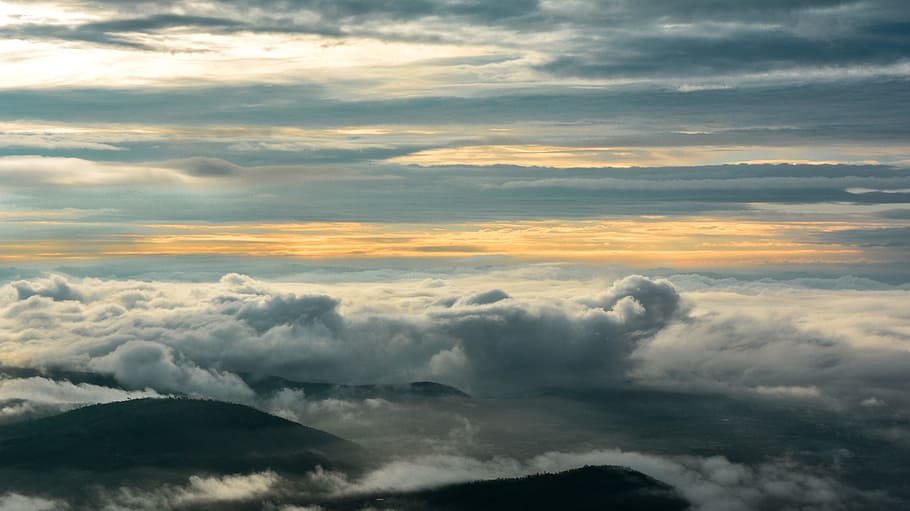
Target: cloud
[
  {"x": 227, "y": 488},
  {"x": 117, "y": 32},
  {"x": 199, "y": 490},
  {"x": 575, "y": 43},
  {"x": 207, "y": 167},
  {"x": 48, "y": 391},
  {"x": 608, "y": 341},
  {"x": 637, "y": 299},
  {"x": 303, "y": 311},
  {"x": 36, "y": 170},
  {"x": 487, "y": 297},
  {"x": 22, "y": 398},
  {"x": 504, "y": 343},
  {"x": 740, "y": 353},
  {"x": 156, "y": 335},
  {"x": 17, "y": 502},
  {"x": 54, "y": 287},
  {"x": 736, "y": 337},
  {"x": 751, "y": 50},
  {"x": 202, "y": 172},
  {"x": 792, "y": 392},
  {"x": 139, "y": 364},
  {"x": 710, "y": 483}
]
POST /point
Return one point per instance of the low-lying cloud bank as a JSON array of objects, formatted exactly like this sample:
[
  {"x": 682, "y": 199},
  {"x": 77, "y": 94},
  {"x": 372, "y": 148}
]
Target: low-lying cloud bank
[
  {"x": 198, "y": 490},
  {"x": 17, "y": 502},
  {"x": 21, "y": 397},
  {"x": 709, "y": 483},
  {"x": 713, "y": 483},
  {"x": 199, "y": 339}
]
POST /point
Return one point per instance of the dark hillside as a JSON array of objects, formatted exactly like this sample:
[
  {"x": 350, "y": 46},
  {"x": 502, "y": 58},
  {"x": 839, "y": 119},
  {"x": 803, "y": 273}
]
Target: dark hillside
[{"x": 182, "y": 435}]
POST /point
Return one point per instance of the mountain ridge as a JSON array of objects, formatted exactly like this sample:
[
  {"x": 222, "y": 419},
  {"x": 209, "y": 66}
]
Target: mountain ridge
[{"x": 181, "y": 434}]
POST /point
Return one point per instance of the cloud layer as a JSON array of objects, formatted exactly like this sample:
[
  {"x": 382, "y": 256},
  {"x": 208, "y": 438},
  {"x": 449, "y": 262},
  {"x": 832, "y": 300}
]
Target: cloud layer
[
  {"x": 710, "y": 484},
  {"x": 197, "y": 338},
  {"x": 178, "y": 338}
]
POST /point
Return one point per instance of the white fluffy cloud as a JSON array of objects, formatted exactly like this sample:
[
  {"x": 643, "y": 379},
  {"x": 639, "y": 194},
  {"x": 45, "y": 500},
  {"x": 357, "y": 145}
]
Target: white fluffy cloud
[
  {"x": 742, "y": 353},
  {"x": 489, "y": 333},
  {"x": 191, "y": 337},
  {"x": 197, "y": 491},
  {"x": 140, "y": 364}
]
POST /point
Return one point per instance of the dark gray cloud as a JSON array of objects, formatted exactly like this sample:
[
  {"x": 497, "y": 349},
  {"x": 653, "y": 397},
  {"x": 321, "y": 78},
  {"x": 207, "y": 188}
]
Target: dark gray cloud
[
  {"x": 886, "y": 237},
  {"x": 307, "y": 193},
  {"x": 364, "y": 10},
  {"x": 56, "y": 288},
  {"x": 330, "y": 19},
  {"x": 781, "y": 114},
  {"x": 896, "y": 214},
  {"x": 117, "y": 32},
  {"x": 304, "y": 311},
  {"x": 715, "y": 38},
  {"x": 487, "y": 297},
  {"x": 207, "y": 167},
  {"x": 750, "y": 52},
  {"x": 508, "y": 343}
]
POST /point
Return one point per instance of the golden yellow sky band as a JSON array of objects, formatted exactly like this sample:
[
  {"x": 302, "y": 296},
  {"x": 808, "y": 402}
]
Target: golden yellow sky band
[
  {"x": 533, "y": 155},
  {"x": 683, "y": 243}
]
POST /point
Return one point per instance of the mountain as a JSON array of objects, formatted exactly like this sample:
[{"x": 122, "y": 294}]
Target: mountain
[
  {"x": 264, "y": 385},
  {"x": 168, "y": 439},
  {"x": 150, "y": 442},
  {"x": 585, "y": 489}
]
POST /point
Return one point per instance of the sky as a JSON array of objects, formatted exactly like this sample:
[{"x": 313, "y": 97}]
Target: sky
[
  {"x": 692, "y": 135},
  {"x": 694, "y": 196}
]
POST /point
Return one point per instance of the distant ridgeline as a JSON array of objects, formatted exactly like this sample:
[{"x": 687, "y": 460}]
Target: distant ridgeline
[{"x": 263, "y": 385}]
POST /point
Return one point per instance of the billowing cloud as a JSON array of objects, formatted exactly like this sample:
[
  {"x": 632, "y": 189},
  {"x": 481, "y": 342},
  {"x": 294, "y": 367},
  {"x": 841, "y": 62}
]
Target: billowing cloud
[
  {"x": 740, "y": 353},
  {"x": 292, "y": 310},
  {"x": 197, "y": 338},
  {"x": 163, "y": 338},
  {"x": 55, "y": 287},
  {"x": 139, "y": 364}
]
